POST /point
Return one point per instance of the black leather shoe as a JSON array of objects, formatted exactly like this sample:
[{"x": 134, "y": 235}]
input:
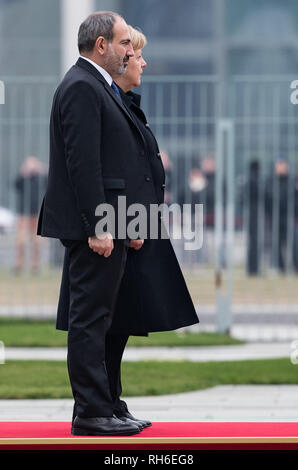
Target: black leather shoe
[
  {"x": 126, "y": 416},
  {"x": 131, "y": 421},
  {"x": 103, "y": 426}
]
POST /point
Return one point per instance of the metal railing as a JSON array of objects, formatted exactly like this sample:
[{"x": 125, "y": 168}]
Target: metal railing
[{"x": 185, "y": 113}]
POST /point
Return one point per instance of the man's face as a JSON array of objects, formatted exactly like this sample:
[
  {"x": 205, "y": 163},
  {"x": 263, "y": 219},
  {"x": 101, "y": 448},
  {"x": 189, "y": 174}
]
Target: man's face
[{"x": 119, "y": 50}]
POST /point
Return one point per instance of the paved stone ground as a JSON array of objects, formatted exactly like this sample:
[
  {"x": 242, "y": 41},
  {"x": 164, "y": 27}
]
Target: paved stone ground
[
  {"x": 201, "y": 354},
  {"x": 267, "y": 403}
]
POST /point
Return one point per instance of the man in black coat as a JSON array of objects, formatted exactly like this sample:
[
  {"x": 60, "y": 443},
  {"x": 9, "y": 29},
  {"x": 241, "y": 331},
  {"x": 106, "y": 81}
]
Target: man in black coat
[{"x": 97, "y": 153}]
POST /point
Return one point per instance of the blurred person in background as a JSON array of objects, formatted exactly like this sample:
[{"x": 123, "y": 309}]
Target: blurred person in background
[
  {"x": 295, "y": 241},
  {"x": 276, "y": 207},
  {"x": 208, "y": 199},
  {"x": 253, "y": 192},
  {"x": 30, "y": 186},
  {"x": 168, "y": 168},
  {"x": 197, "y": 185},
  {"x": 208, "y": 170},
  {"x": 193, "y": 194}
]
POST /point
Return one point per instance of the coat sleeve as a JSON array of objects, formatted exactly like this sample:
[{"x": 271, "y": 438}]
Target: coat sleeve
[{"x": 80, "y": 114}]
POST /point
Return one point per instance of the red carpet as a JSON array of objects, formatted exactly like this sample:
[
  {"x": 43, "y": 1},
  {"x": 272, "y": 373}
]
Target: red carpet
[{"x": 199, "y": 435}]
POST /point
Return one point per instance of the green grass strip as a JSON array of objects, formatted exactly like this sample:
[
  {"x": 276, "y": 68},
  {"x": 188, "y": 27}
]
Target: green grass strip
[
  {"x": 15, "y": 332},
  {"x": 49, "y": 379}
]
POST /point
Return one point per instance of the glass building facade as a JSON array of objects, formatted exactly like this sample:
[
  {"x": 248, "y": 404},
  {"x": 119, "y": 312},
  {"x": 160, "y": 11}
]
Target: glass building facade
[{"x": 192, "y": 37}]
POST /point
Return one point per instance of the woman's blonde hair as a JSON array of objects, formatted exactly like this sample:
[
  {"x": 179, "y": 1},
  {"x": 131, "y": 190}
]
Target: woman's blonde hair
[{"x": 138, "y": 39}]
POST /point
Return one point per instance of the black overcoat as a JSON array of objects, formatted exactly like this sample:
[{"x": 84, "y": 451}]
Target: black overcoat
[
  {"x": 97, "y": 153},
  {"x": 153, "y": 295}
]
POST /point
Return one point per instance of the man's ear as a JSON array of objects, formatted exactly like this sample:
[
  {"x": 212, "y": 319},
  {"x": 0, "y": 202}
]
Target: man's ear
[{"x": 101, "y": 45}]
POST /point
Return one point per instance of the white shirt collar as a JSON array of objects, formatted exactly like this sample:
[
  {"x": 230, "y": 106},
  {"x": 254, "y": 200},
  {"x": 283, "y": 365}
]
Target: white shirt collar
[{"x": 103, "y": 72}]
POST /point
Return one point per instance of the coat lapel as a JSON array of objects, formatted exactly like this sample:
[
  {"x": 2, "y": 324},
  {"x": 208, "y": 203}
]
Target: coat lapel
[{"x": 133, "y": 100}]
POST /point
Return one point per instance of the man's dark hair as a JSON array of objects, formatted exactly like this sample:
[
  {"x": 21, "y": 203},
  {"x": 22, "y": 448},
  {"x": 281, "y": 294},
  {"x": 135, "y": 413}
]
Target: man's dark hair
[{"x": 100, "y": 23}]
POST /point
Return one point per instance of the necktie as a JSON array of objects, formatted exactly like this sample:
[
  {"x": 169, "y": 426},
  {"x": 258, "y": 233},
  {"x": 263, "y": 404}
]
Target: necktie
[{"x": 117, "y": 93}]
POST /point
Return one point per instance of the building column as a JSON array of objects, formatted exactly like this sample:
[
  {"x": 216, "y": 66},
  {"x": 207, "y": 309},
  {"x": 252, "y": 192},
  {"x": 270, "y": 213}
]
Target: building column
[{"x": 73, "y": 12}]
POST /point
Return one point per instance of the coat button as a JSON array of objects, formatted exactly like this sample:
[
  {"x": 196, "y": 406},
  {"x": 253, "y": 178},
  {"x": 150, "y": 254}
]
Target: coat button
[
  {"x": 147, "y": 178},
  {"x": 158, "y": 154},
  {"x": 147, "y": 125},
  {"x": 163, "y": 186}
]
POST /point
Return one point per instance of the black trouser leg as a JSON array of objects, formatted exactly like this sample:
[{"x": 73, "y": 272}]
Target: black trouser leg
[
  {"x": 115, "y": 345},
  {"x": 94, "y": 284}
]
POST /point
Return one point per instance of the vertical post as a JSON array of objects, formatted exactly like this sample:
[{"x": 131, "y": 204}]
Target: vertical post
[
  {"x": 2, "y": 92},
  {"x": 224, "y": 222},
  {"x": 73, "y": 12},
  {"x": 2, "y": 101},
  {"x": 224, "y": 177},
  {"x": 221, "y": 53}
]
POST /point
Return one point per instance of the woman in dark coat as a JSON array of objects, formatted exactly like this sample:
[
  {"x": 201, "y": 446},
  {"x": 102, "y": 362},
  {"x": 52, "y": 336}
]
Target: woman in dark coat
[{"x": 153, "y": 295}]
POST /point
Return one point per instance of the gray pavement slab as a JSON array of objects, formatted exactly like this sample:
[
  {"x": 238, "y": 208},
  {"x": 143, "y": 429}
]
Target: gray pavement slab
[
  {"x": 259, "y": 403},
  {"x": 262, "y": 350}
]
